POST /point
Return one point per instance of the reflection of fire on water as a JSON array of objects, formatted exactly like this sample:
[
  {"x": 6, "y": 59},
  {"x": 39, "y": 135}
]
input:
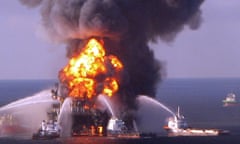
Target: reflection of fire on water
[{"x": 91, "y": 72}]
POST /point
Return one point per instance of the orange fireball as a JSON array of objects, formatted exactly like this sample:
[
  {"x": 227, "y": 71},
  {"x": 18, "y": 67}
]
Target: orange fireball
[{"x": 92, "y": 72}]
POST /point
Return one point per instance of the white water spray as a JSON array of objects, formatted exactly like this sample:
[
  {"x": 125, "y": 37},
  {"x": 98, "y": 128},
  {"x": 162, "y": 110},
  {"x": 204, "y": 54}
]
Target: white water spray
[
  {"x": 151, "y": 115},
  {"x": 41, "y": 97},
  {"x": 65, "y": 117},
  {"x": 149, "y": 100},
  {"x": 106, "y": 101}
]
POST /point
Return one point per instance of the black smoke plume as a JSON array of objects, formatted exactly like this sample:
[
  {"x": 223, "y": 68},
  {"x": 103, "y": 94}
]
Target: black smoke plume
[{"x": 126, "y": 26}]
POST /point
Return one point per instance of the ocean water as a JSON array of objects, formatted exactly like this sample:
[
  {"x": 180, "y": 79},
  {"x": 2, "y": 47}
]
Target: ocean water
[
  {"x": 200, "y": 101},
  {"x": 12, "y": 90}
]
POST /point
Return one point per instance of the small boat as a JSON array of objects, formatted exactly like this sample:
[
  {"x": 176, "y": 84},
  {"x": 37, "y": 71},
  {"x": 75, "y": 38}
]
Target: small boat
[
  {"x": 48, "y": 130},
  {"x": 230, "y": 100},
  {"x": 177, "y": 126},
  {"x": 117, "y": 128}
]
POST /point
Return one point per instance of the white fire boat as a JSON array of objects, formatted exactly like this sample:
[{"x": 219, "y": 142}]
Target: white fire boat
[
  {"x": 48, "y": 130},
  {"x": 177, "y": 126},
  {"x": 117, "y": 128}
]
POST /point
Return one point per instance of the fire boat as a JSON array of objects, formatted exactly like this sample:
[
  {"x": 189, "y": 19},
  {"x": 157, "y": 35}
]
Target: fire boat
[
  {"x": 177, "y": 126},
  {"x": 48, "y": 130}
]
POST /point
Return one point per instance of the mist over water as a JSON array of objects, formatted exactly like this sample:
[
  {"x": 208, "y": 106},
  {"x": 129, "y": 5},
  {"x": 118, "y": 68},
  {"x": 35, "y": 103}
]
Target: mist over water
[
  {"x": 152, "y": 115},
  {"x": 24, "y": 116},
  {"x": 28, "y": 113}
]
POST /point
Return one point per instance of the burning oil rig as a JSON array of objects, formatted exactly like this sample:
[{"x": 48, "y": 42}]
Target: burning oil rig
[{"x": 89, "y": 74}]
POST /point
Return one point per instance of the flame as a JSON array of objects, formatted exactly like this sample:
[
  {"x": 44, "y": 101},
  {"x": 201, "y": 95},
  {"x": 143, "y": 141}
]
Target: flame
[{"x": 92, "y": 72}]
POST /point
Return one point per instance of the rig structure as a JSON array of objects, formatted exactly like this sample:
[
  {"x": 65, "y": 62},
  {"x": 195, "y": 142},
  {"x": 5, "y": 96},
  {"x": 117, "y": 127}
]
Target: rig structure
[{"x": 87, "y": 119}]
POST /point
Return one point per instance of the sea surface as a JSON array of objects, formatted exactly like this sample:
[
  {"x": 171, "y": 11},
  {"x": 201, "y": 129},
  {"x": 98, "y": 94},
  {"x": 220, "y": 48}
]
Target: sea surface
[{"x": 199, "y": 100}]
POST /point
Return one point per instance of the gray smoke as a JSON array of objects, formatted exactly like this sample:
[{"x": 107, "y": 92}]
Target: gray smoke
[{"x": 126, "y": 26}]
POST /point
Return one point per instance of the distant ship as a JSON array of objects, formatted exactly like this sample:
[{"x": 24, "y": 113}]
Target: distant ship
[
  {"x": 230, "y": 100},
  {"x": 177, "y": 126}
]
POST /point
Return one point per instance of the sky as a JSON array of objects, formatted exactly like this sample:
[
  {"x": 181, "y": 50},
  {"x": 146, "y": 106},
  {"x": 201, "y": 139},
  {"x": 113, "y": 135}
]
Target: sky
[{"x": 211, "y": 51}]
